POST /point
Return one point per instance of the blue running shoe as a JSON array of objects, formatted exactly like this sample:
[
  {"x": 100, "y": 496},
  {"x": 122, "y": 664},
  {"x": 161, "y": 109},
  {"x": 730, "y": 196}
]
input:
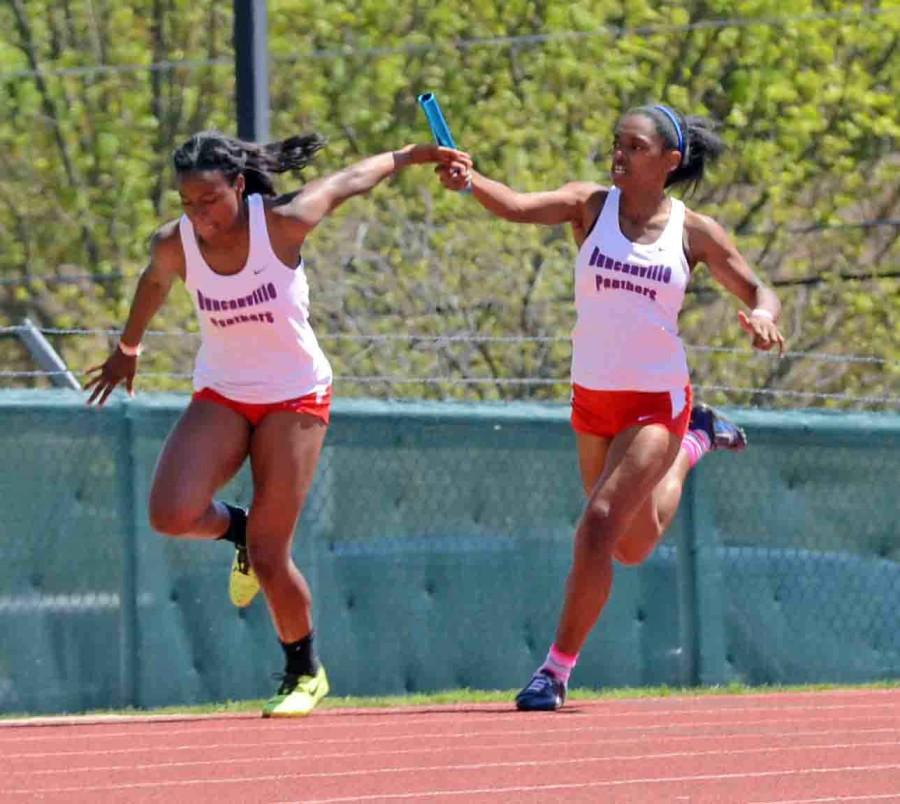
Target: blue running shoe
[
  {"x": 544, "y": 693},
  {"x": 723, "y": 433}
]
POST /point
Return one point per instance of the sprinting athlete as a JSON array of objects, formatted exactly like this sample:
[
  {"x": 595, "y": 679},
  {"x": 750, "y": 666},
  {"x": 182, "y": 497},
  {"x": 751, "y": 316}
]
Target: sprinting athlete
[
  {"x": 262, "y": 384},
  {"x": 636, "y": 431}
]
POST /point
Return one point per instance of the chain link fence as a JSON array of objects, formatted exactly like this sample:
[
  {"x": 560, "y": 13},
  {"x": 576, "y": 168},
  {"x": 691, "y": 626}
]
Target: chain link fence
[{"x": 436, "y": 539}]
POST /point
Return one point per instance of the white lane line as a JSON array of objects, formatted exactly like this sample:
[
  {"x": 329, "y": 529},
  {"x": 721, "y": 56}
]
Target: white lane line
[
  {"x": 875, "y": 797},
  {"x": 289, "y": 757},
  {"x": 419, "y": 770},
  {"x": 658, "y": 732},
  {"x": 318, "y": 724},
  {"x": 583, "y": 785}
]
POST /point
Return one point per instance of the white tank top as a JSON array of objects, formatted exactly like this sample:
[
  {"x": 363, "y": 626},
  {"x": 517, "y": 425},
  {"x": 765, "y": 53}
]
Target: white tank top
[
  {"x": 627, "y": 299},
  {"x": 256, "y": 343}
]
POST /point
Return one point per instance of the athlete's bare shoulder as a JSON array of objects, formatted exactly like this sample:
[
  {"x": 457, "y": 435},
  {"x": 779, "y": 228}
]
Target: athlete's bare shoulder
[
  {"x": 167, "y": 233},
  {"x": 166, "y": 251},
  {"x": 281, "y": 204},
  {"x": 584, "y": 190},
  {"x": 697, "y": 222},
  {"x": 597, "y": 197},
  {"x": 701, "y": 230},
  {"x": 705, "y": 239}
]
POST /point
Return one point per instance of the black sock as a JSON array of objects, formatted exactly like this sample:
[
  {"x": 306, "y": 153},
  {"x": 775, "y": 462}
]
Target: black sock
[
  {"x": 300, "y": 656},
  {"x": 237, "y": 527}
]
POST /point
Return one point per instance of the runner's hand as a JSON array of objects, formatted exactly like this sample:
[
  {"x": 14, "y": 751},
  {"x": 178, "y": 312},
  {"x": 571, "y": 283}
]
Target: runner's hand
[
  {"x": 118, "y": 367},
  {"x": 763, "y": 331}
]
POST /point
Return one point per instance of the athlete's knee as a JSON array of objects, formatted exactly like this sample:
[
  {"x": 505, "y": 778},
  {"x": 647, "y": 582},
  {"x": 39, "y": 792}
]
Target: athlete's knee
[
  {"x": 632, "y": 553},
  {"x": 170, "y": 519},
  {"x": 598, "y": 526}
]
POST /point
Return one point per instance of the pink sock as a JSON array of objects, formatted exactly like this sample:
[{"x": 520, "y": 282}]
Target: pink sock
[
  {"x": 559, "y": 664},
  {"x": 696, "y": 444}
]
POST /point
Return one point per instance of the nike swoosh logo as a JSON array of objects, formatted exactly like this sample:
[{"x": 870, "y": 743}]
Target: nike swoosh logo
[{"x": 259, "y": 271}]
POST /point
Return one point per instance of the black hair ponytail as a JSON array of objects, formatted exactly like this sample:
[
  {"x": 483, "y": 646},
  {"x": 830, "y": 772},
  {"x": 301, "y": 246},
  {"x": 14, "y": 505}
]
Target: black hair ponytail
[{"x": 212, "y": 150}]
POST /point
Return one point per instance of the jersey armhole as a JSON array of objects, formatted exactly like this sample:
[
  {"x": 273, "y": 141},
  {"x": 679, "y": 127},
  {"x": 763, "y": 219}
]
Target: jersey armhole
[
  {"x": 270, "y": 247},
  {"x": 593, "y": 225},
  {"x": 190, "y": 250},
  {"x": 685, "y": 249}
]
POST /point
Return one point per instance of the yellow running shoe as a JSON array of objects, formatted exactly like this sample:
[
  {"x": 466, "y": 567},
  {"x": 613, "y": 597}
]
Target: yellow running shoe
[
  {"x": 242, "y": 583},
  {"x": 297, "y": 696}
]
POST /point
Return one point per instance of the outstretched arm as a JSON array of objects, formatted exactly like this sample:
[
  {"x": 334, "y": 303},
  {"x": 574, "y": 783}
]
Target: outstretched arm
[
  {"x": 568, "y": 204},
  {"x": 301, "y": 212},
  {"x": 166, "y": 264},
  {"x": 564, "y": 205},
  {"x": 708, "y": 242}
]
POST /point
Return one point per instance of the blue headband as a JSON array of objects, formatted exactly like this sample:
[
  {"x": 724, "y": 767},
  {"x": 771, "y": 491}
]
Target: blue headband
[{"x": 671, "y": 115}]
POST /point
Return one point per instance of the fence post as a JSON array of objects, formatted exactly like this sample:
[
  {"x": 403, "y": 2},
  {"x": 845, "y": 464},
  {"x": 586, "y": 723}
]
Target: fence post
[
  {"x": 128, "y": 613},
  {"x": 701, "y": 594},
  {"x": 711, "y": 650},
  {"x": 687, "y": 588}
]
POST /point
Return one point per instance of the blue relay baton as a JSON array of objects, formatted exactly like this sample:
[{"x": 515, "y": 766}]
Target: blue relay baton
[
  {"x": 439, "y": 128},
  {"x": 436, "y": 121}
]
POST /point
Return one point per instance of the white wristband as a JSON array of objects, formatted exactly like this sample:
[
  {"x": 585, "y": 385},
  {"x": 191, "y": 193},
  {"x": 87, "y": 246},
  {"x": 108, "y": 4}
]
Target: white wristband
[
  {"x": 131, "y": 351},
  {"x": 761, "y": 313}
]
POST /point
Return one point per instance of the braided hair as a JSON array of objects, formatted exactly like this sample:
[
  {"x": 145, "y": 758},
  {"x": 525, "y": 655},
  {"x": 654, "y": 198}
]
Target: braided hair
[
  {"x": 695, "y": 138},
  {"x": 212, "y": 150}
]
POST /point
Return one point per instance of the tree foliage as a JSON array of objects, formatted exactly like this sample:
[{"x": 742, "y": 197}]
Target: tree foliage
[{"x": 805, "y": 92}]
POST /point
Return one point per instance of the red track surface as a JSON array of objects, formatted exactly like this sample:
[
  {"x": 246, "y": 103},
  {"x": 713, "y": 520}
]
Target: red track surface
[{"x": 781, "y": 747}]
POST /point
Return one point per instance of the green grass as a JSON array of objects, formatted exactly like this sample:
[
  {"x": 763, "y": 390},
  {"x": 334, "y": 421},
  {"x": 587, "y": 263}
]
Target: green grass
[{"x": 467, "y": 696}]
